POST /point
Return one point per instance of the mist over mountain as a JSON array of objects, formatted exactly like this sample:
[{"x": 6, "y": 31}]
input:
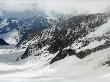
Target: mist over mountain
[
  {"x": 54, "y": 40},
  {"x": 26, "y": 8}
]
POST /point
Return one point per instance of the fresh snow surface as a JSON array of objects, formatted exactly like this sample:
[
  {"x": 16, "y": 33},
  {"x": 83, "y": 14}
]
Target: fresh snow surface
[
  {"x": 92, "y": 45},
  {"x": 70, "y": 69}
]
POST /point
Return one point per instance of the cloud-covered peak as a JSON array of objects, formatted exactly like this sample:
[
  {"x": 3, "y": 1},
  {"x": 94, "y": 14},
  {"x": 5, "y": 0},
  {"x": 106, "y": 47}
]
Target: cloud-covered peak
[{"x": 7, "y": 7}]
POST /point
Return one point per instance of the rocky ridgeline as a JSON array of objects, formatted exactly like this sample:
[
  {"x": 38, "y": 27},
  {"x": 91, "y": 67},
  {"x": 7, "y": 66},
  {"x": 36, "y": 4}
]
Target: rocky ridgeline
[{"x": 61, "y": 37}]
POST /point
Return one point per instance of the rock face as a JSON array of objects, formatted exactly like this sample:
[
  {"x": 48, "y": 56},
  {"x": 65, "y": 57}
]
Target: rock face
[
  {"x": 67, "y": 37},
  {"x": 2, "y": 42}
]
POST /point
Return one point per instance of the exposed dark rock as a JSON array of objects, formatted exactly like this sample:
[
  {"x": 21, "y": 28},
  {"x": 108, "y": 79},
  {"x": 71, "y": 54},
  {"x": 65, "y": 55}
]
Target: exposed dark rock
[
  {"x": 2, "y": 42},
  {"x": 62, "y": 54},
  {"x": 26, "y": 54},
  {"x": 65, "y": 33},
  {"x": 83, "y": 54},
  {"x": 107, "y": 63}
]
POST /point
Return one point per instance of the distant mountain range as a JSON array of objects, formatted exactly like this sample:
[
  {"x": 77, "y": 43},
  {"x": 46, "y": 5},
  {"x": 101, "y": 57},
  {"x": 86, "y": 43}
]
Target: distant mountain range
[{"x": 21, "y": 27}]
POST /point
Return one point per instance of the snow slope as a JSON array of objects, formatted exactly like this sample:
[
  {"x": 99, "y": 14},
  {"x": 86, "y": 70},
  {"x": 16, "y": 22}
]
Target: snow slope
[
  {"x": 66, "y": 70},
  {"x": 11, "y": 37}
]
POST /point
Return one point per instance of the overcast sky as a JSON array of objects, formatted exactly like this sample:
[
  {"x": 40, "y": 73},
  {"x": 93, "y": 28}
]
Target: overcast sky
[{"x": 60, "y": 6}]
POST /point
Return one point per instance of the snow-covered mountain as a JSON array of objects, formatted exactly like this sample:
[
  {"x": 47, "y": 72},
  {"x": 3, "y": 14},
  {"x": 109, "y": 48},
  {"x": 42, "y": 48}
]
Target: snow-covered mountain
[
  {"x": 8, "y": 24},
  {"x": 9, "y": 31},
  {"x": 78, "y": 36},
  {"x": 14, "y": 31},
  {"x": 70, "y": 49}
]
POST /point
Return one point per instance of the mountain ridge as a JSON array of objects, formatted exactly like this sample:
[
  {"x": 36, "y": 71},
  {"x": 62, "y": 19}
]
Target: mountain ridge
[{"x": 61, "y": 41}]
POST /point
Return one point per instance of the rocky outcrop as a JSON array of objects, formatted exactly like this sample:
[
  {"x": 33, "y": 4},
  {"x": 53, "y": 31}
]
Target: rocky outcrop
[
  {"x": 2, "y": 42},
  {"x": 64, "y": 34}
]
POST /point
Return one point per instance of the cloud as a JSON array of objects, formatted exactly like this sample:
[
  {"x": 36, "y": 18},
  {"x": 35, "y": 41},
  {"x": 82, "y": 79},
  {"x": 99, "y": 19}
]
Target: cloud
[
  {"x": 50, "y": 6},
  {"x": 69, "y": 6},
  {"x": 17, "y": 5},
  {"x": 19, "y": 8}
]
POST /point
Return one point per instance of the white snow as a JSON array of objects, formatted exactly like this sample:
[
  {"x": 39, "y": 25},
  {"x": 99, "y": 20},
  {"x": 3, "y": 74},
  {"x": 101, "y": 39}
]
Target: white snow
[
  {"x": 11, "y": 37},
  {"x": 100, "y": 30},
  {"x": 70, "y": 69},
  {"x": 92, "y": 45}
]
